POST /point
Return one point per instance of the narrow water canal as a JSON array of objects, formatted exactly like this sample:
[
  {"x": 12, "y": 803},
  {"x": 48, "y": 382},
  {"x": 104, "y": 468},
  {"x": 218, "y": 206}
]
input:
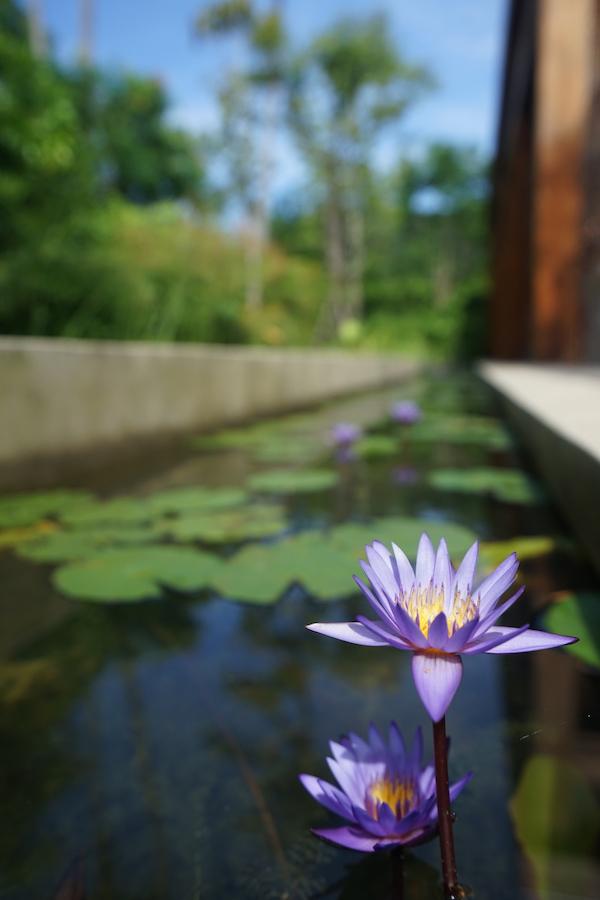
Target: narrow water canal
[{"x": 150, "y": 747}]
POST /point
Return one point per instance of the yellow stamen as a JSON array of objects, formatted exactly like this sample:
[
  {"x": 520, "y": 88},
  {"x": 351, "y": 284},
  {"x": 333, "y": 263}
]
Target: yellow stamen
[
  {"x": 424, "y": 604},
  {"x": 400, "y": 796}
]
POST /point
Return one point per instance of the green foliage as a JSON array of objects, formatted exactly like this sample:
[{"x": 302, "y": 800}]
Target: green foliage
[
  {"x": 252, "y": 522},
  {"x": 492, "y": 553},
  {"x": 481, "y": 430},
  {"x": 18, "y": 510},
  {"x": 578, "y": 613}
]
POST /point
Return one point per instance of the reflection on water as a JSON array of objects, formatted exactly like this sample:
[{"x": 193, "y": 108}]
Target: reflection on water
[{"x": 153, "y": 751}]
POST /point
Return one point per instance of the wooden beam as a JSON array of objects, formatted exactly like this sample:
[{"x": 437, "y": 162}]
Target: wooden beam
[{"x": 563, "y": 98}]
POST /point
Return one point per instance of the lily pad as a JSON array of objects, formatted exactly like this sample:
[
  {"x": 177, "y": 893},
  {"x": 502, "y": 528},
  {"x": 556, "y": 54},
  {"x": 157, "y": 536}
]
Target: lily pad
[
  {"x": 492, "y": 553},
  {"x": 245, "y": 523},
  {"x": 20, "y": 510},
  {"x": 293, "y": 481},
  {"x": 487, "y": 432},
  {"x": 557, "y": 821},
  {"x": 578, "y": 613},
  {"x": 510, "y": 485},
  {"x": 68, "y": 545},
  {"x": 12, "y": 537},
  {"x": 133, "y": 574},
  {"x": 288, "y": 449},
  {"x": 324, "y": 562},
  {"x": 376, "y": 446},
  {"x": 181, "y": 500},
  {"x": 119, "y": 511}
]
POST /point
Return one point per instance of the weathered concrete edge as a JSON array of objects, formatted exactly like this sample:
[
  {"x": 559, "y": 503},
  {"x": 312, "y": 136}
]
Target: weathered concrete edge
[
  {"x": 570, "y": 471},
  {"x": 62, "y": 396}
]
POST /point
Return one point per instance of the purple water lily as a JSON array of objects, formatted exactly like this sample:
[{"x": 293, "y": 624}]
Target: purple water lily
[
  {"x": 385, "y": 793},
  {"x": 343, "y": 434},
  {"x": 438, "y": 615},
  {"x": 405, "y": 412}
]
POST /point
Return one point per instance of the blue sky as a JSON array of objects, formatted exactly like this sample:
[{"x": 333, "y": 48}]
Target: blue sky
[{"x": 461, "y": 41}]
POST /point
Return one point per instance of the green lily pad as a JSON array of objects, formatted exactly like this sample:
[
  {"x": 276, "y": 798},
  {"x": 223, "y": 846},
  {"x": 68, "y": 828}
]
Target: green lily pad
[
  {"x": 12, "y": 537},
  {"x": 324, "y": 562},
  {"x": 293, "y": 481},
  {"x": 181, "y": 500},
  {"x": 487, "y": 432},
  {"x": 288, "y": 449},
  {"x": 578, "y": 614},
  {"x": 20, "y": 510},
  {"x": 492, "y": 553},
  {"x": 245, "y": 523},
  {"x": 557, "y": 821},
  {"x": 97, "y": 513},
  {"x": 133, "y": 574},
  {"x": 376, "y": 446},
  {"x": 510, "y": 485},
  {"x": 68, "y": 545}
]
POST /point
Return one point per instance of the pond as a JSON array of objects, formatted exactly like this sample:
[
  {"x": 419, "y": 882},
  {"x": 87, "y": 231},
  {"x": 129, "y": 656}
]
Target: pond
[{"x": 150, "y": 748}]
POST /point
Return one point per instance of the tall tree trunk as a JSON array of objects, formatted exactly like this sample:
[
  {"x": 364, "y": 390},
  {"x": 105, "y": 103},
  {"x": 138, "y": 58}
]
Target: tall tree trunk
[
  {"x": 331, "y": 312},
  {"x": 355, "y": 262},
  {"x": 37, "y": 33},
  {"x": 86, "y": 34}
]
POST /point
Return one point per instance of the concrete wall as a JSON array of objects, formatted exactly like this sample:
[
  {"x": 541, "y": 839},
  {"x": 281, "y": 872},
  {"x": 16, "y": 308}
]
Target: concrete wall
[
  {"x": 61, "y": 396},
  {"x": 555, "y": 410}
]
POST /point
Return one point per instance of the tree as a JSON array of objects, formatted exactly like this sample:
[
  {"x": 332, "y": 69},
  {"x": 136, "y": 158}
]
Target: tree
[
  {"x": 137, "y": 154},
  {"x": 249, "y": 114},
  {"x": 347, "y": 88}
]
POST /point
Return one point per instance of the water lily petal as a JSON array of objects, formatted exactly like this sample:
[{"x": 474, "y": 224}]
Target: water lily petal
[
  {"x": 328, "y": 796},
  {"x": 442, "y": 571},
  {"x": 425, "y": 560},
  {"x": 497, "y": 611},
  {"x": 461, "y": 636},
  {"x": 493, "y": 637},
  {"x": 351, "y": 632},
  {"x": 347, "y": 836},
  {"x": 378, "y": 630},
  {"x": 438, "y": 632},
  {"x": 437, "y": 678},
  {"x": 379, "y": 608},
  {"x": 383, "y": 571},
  {"x": 523, "y": 641},
  {"x": 492, "y": 588},
  {"x": 466, "y": 571},
  {"x": 406, "y": 573}
]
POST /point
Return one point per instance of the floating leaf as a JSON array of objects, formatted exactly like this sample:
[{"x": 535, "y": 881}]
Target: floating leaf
[
  {"x": 288, "y": 449},
  {"x": 376, "y": 446},
  {"x": 492, "y": 553},
  {"x": 132, "y": 574},
  {"x": 245, "y": 523},
  {"x": 324, "y": 562},
  {"x": 19, "y": 510},
  {"x": 510, "y": 485},
  {"x": 293, "y": 481},
  {"x": 557, "y": 820},
  {"x": 67, "y": 545},
  {"x": 578, "y": 614},
  {"x": 108, "y": 512},
  {"x": 180, "y": 500},
  {"x": 487, "y": 432},
  {"x": 13, "y": 536}
]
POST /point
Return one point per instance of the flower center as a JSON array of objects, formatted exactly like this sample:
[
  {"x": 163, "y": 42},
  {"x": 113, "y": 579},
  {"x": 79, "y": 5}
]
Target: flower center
[
  {"x": 401, "y": 796},
  {"x": 424, "y": 604}
]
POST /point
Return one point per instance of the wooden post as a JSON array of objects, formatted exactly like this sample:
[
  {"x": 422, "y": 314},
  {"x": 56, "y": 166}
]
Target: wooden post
[{"x": 563, "y": 99}]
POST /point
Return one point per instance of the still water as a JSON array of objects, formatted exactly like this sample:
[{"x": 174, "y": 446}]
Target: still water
[{"x": 151, "y": 750}]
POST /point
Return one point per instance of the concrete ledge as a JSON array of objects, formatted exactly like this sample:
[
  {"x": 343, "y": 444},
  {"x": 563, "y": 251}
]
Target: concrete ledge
[
  {"x": 555, "y": 409},
  {"x": 60, "y": 396}
]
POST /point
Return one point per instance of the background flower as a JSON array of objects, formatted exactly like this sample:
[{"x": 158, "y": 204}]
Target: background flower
[
  {"x": 385, "y": 793},
  {"x": 406, "y": 412}
]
